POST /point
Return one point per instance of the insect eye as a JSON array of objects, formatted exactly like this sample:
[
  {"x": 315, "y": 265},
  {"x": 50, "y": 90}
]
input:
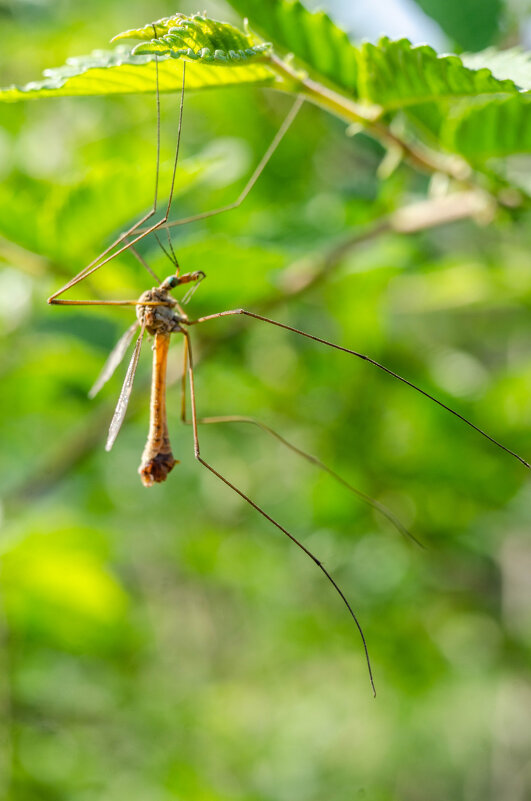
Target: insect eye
[{"x": 171, "y": 281}]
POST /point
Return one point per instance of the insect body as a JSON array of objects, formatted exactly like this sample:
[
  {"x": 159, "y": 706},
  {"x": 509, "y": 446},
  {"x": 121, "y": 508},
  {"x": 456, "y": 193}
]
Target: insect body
[
  {"x": 159, "y": 315},
  {"x": 160, "y": 322}
]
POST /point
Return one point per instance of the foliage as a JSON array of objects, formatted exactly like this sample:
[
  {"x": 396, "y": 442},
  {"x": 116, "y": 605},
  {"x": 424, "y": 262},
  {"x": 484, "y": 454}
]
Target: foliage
[
  {"x": 513, "y": 63},
  {"x": 167, "y": 644},
  {"x": 198, "y": 38},
  {"x": 313, "y": 37},
  {"x": 119, "y": 72},
  {"x": 439, "y": 95},
  {"x": 473, "y": 24},
  {"x": 492, "y": 129}
]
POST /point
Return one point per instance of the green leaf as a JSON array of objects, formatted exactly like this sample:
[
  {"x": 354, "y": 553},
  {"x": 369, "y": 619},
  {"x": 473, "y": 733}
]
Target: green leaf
[
  {"x": 198, "y": 38},
  {"x": 391, "y": 74},
  {"x": 397, "y": 74},
  {"x": 152, "y": 29},
  {"x": 472, "y": 24},
  {"x": 513, "y": 63},
  {"x": 311, "y": 36},
  {"x": 441, "y": 96},
  {"x": 494, "y": 129},
  {"x": 429, "y": 88},
  {"x": 117, "y": 71}
]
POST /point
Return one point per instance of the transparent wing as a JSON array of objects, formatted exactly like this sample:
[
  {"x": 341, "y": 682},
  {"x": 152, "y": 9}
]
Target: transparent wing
[
  {"x": 125, "y": 394},
  {"x": 115, "y": 357}
]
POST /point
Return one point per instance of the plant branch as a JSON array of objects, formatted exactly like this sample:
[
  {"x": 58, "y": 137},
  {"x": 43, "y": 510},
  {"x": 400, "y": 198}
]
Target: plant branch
[
  {"x": 368, "y": 117},
  {"x": 309, "y": 271}
]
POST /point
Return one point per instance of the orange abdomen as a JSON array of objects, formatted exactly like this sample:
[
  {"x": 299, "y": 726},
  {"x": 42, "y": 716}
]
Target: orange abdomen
[{"x": 157, "y": 458}]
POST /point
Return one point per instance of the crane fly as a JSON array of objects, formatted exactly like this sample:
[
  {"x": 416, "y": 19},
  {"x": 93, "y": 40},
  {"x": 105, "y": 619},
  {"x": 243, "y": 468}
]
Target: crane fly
[{"x": 160, "y": 316}]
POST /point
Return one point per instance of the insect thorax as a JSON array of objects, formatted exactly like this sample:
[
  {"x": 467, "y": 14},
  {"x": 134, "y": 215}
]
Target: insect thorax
[{"x": 161, "y": 319}]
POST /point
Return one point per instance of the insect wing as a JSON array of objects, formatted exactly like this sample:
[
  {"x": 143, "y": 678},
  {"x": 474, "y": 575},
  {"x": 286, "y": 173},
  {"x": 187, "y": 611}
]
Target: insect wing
[
  {"x": 115, "y": 357},
  {"x": 125, "y": 394}
]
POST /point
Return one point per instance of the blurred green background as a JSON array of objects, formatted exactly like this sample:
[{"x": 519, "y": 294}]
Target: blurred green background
[{"x": 168, "y": 643}]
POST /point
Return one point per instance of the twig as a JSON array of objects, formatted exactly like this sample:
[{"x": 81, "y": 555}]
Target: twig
[
  {"x": 309, "y": 271},
  {"x": 367, "y": 116}
]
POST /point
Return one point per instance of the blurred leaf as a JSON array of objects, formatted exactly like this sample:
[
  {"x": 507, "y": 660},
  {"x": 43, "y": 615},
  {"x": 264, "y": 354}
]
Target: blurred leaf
[
  {"x": 514, "y": 64},
  {"x": 397, "y": 74},
  {"x": 494, "y": 128},
  {"x": 56, "y": 584},
  {"x": 311, "y": 36},
  {"x": 472, "y": 24},
  {"x": 70, "y": 223}
]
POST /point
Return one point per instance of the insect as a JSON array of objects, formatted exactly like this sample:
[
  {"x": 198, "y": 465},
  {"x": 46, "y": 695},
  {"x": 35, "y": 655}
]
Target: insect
[{"x": 160, "y": 316}]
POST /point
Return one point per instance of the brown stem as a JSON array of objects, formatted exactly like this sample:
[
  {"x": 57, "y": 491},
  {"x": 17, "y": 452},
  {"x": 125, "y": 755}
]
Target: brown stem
[
  {"x": 367, "y": 116},
  {"x": 157, "y": 459}
]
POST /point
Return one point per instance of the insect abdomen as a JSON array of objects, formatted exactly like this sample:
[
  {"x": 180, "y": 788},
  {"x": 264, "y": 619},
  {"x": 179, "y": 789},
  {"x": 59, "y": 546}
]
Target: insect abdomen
[{"x": 157, "y": 459}]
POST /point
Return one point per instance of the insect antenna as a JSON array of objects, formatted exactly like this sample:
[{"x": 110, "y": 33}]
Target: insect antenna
[
  {"x": 193, "y": 289},
  {"x": 169, "y": 252},
  {"x": 161, "y": 246},
  {"x": 170, "y": 245},
  {"x": 172, "y": 256}
]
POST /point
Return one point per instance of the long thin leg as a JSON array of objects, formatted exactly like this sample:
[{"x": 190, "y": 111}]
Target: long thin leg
[
  {"x": 104, "y": 257},
  {"x": 74, "y": 302},
  {"x": 233, "y": 418},
  {"x": 308, "y": 456},
  {"x": 264, "y": 514},
  {"x": 183, "y": 381},
  {"x": 163, "y": 223},
  {"x": 252, "y": 180},
  {"x": 365, "y": 359},
  {"x": 109, "y": 303},
  {"x": 184, "y": 279},
  {"x": 107, "y": 255}
]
